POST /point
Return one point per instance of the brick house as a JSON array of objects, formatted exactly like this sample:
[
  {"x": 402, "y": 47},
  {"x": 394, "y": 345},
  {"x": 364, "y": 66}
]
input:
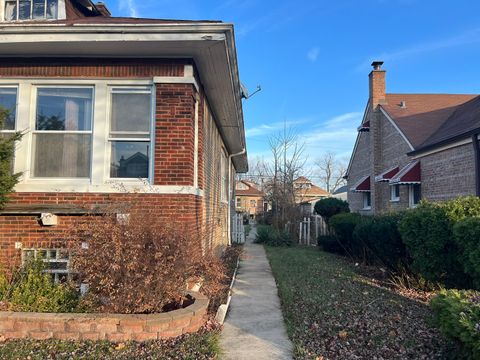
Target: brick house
[
  {"x": 249, "y": 199},
  {"x": 413, "y": 146},
  {"x": 152, "y": 105},
  {"x": 307, "y": 194}
]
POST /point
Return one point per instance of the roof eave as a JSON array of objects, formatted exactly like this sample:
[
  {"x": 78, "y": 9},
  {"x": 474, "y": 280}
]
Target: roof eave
[
  {"x": 445, "y": 142},
  {"x": 211, "y": 45}
]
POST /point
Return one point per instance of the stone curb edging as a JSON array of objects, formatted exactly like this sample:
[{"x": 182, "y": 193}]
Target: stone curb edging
[
  {"x": 112, "y": 327},
  {"x": 223, "y": 309}
]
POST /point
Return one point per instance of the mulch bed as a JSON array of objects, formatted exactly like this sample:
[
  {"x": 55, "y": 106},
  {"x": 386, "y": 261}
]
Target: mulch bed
[
  {"x": 333, "y": 312},
  {"x": 202, "y": 345}
]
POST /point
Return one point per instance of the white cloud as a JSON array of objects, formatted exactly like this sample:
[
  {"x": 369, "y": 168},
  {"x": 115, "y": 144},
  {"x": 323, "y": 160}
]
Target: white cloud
[
  {"x": 313, "y": 54},
  {"x": 130, "y": 7}
]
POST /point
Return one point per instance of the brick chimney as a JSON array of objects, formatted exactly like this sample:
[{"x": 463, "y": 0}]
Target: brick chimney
[
  {"x": 377, "y": 85},
  {"x": 102, "y": 9}
]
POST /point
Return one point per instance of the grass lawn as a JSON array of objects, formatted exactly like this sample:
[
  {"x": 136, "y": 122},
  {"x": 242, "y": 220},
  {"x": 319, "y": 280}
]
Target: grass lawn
[
  {"x": 332, "y": 312},
  {"x": 203, "y": 345}
]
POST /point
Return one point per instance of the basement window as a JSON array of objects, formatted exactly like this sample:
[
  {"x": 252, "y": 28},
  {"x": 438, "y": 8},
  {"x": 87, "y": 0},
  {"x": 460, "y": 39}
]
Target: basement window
[
  {"x": 30, "y": 10},
  {"x": 57, "y": 262}
]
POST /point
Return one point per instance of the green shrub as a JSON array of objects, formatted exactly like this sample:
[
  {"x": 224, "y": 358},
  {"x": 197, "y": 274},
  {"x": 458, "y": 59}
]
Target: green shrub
[
  {"x": 457, "y": 314},
  {"x": 462, "y": 207},
  {"x": 427, "y": 234},
  {"x": 330, "y": 243},
  {"x": 33, "y": 290},
  {"x": 331, "y": 206},
  {"x": 343, "y": 226},
  {"x": 467, "y": 236},
  {"x": 381, "y": 236},
  {"x": 268, "y": 235}
]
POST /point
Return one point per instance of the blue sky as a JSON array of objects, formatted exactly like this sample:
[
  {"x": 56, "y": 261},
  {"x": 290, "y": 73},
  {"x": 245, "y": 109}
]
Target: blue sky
[{"x": 312, "y": 58}]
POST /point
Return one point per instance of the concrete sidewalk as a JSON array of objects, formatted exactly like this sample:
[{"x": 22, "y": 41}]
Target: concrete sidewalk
[{"x": 254, "y": 327}]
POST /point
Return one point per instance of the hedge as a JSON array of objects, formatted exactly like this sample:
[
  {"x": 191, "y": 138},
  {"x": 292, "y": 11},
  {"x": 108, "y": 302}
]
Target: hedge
[
  {"x": 467, "y": 236},
  {"x": 457, "y": 314}
]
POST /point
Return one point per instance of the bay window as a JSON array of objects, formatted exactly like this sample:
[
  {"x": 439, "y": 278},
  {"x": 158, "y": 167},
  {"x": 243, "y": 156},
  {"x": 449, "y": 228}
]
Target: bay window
[
  {"x": 130, "y": 134},
  {"x": 30, "y": 9},
  {"x": 63, "y": 133}
]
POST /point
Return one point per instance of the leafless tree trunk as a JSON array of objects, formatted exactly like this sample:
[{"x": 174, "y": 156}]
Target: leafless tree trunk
[{"x": 331, "y": 171}]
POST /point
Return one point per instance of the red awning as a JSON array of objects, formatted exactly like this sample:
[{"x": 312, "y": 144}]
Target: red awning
[
  {"x": 364, "y": 127},
  {"x": 387, "y": 175},
  {"x": 362, "y": 186},
  {"x": 410, "y": 174}
]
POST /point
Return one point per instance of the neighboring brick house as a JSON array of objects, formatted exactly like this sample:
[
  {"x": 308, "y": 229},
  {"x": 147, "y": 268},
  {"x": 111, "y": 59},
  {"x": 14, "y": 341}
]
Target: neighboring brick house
[
  {"x": 152, "y": 105},
  {"x": 412, "y": 147},
  {"x": 249, "y": 199},
  {"x": 307, "y": 194}
]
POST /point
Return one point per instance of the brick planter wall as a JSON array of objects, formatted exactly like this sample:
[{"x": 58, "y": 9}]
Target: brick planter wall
[{"x": 113, "y": 327}]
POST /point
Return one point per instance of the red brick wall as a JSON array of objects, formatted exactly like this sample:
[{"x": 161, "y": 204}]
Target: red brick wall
[
  {"x": 174, "y": 135},
  {"x": 88, "y": 68},
  {"x": 184, "y": 209},
  {"x": 113, "y": 327}
]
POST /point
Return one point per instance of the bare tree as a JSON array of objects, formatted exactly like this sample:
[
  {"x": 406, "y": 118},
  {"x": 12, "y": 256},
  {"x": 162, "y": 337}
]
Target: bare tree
[
  {"x": 286, "y": 165},
  {"x": 331, "y": 171}
]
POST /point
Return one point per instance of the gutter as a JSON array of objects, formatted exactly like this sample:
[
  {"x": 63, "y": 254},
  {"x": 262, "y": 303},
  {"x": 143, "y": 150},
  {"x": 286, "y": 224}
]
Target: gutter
[{"x": 476, "y": 150}]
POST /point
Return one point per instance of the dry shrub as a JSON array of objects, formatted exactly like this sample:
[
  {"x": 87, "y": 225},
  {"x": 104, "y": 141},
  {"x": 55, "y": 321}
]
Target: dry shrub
[{"x": 141, "y": 265}]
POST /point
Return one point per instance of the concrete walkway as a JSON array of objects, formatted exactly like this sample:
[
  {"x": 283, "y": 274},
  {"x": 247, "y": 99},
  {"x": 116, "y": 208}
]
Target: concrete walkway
[{"x": 254, "y": 327}]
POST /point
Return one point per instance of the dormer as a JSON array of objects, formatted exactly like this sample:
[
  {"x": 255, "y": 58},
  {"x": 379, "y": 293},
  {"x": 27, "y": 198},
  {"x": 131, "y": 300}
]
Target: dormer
[
  {"x": 33, "y": 10},
  {"x": 13, "y": 11}
]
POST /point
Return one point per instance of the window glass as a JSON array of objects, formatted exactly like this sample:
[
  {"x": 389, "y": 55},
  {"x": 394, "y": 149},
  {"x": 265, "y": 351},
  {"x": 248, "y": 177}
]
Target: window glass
[
  {"x": 130, "y": 121},
  {"x": 131, "y": 112},
  {"x": 129, "y": 159},
  {"x": 62, "y": 137},
  {"x": 395, "y": 192},
  {"x": 24, "y": 8},
  {"x": 367, "y": 200},
  {"x": 10, "y": 10},
  {"x": 8, "y": 103},
  {"x": 38, "y": 9},
  {"x": 52, "y": 9},
  {"x": 417, "y": 194},
  {"x": 253, "y": 203},
  {"x": 64, "y": 109}
]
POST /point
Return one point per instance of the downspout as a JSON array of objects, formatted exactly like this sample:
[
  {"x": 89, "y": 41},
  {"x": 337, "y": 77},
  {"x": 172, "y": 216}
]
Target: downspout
[
  {"x": 476, "y": 149},
  {"x": 230, "y": 191}
]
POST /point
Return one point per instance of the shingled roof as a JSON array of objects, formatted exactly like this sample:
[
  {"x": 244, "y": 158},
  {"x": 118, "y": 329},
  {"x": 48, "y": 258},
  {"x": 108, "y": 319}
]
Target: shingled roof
[{"x": 427, "y": 119}]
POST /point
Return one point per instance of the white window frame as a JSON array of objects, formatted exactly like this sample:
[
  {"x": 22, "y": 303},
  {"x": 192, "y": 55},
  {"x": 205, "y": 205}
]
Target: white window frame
[
  {"x": 60, "y": 3},
  {"x": 56, "y": 273},
  {"x": 99, "y": 182},
  {"x": 393, "y": 191},
  {"x": 365, "y": 201},
  {"x": 131, "y": 89},
  {"x": 411, "y": 196},
  {"x": 33, "y": 122},
  {"x": 61, "y": 14}
]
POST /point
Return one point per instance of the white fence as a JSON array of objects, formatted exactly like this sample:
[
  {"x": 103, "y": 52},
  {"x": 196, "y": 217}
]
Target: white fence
[
  {"x": 238, "y": 229},
  {"x": 310, "y": 229}
]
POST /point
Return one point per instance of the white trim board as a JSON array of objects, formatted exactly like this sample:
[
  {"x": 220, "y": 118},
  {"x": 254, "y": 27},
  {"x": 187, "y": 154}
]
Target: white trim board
[{"x": 112, "y": 188}]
